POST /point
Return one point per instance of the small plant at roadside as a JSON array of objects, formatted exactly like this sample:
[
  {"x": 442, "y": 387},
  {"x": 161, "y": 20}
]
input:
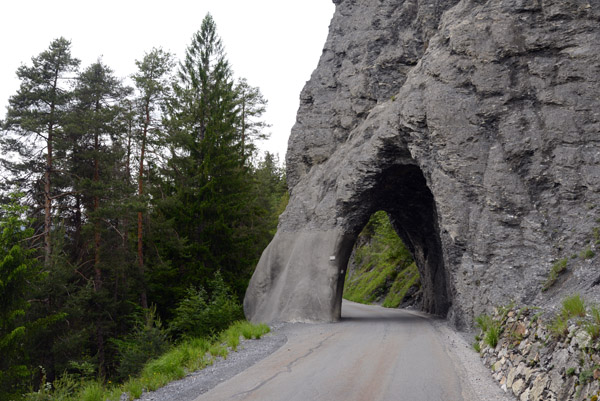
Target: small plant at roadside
[
  {"x": 484, "y": 322},
  {"x": 587, "y": 254},
  {"x": 492, "y": 336},
  {"x": 586, "y": 376},
  {"x": 477, "y": 346},
  {"x": 593, "y": 326},
  {"x": 570, "y": 371},
  {"x": 490, "y": 328},
  {"x": 557, "y": 268},
  {"x": 559, "y": 326},
  {"x": 573, "y": 306}
]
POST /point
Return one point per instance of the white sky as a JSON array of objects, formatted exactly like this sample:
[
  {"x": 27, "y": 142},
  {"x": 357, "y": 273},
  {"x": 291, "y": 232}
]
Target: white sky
[{"x": 274, "y": 44}]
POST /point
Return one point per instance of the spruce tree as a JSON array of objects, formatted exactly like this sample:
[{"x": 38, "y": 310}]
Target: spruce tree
[
  {"x": 19, "y": 270},
  {"x": 209, "y": 186}
]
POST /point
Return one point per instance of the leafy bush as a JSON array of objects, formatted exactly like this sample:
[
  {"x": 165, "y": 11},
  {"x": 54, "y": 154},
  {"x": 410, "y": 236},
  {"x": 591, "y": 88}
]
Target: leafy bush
[{"x": 201, "y": 314}]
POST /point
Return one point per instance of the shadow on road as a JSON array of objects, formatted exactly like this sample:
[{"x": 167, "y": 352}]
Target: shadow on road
[{"x": 405, "y": 318}]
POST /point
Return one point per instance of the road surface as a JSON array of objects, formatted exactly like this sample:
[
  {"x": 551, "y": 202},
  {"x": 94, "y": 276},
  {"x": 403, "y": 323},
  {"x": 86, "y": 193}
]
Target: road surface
[{"x": 373, "y": 354}]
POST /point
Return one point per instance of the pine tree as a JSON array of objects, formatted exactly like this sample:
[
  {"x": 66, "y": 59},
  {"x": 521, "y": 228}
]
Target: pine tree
[
  {"x": 35, "y": 121},
  {"x": 98, "y": 131},
  {"x": 251, "y": 107}
]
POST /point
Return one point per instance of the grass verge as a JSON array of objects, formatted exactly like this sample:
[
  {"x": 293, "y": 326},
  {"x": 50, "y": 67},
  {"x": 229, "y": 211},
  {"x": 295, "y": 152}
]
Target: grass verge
[{"x": 188, "y": 356}]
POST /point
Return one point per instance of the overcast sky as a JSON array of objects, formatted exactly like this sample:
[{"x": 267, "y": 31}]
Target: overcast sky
[{"x": 275, "y": 44}]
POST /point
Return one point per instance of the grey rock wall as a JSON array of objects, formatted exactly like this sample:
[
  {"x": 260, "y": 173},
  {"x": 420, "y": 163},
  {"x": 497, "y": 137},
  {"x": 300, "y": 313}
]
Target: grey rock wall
[{"x": 474, "y": 124}]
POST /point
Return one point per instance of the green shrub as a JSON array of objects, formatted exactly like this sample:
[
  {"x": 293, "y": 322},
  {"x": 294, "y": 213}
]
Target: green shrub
[
  {"x": 477, "y": 346},
  {"x": 147, "y": 341},
  {"x": 92, "y": 391},
  {"x": 134, "y": 388},
  {"x": 201, "y": 314},
  {"x": 586, "y": 376}
]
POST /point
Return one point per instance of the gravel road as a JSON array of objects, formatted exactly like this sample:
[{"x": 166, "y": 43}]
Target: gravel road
[{"x": 372, "y": 354}]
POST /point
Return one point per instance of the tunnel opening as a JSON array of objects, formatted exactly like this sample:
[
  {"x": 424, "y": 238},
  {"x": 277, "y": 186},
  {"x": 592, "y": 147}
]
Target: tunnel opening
[
  {"x": 381, "y": 268},
  {"x": 401, "y": 191}
]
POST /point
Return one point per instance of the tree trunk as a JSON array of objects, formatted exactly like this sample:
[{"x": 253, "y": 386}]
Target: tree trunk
[
  {"x": 48, "y": 201},
  {"x": 97, "y": 244},
  {"x": 140, "y": 233}
]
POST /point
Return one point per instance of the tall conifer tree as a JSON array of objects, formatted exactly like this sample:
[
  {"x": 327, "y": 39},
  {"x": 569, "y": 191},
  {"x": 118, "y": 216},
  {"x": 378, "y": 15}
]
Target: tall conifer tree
[
  {"x": 35, "y": 120},
  {"x": 152, "y": 82}
]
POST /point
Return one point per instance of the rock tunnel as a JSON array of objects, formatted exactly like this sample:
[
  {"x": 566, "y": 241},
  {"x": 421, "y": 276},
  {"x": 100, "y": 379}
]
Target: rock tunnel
[
  {"x": 477, "y": 147},
  {"x": 300, "y": 276}
]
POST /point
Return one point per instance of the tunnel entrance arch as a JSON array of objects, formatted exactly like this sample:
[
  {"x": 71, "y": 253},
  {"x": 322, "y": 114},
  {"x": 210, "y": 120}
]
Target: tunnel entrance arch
[
  {"x": 300, "y": 275},
  {"x": 402, "y": 192}
]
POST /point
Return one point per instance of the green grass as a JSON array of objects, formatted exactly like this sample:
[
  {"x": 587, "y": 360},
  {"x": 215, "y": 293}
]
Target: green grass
[
  {"x": 557, "y": 268},
  {"x": 593, "y": 326},
  {"x": 559, "y": 326},
  {"x": 188, "y": 356},
  {"x": 492, "y": 335},
  {"x": 573, "y": 306},
  {"x": 587, "y": 254},
  {"x": 490, "y": 329},
  {"x": 406, "y": 279},
  {"x": 484, "y": 322}
]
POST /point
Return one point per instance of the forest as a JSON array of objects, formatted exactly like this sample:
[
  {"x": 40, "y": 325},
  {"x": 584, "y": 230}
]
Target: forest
[{"x": 132, "y": 210}]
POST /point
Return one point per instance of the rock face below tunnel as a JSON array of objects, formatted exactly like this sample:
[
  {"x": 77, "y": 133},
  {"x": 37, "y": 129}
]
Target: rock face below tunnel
[{"x": 474, "y": 124}]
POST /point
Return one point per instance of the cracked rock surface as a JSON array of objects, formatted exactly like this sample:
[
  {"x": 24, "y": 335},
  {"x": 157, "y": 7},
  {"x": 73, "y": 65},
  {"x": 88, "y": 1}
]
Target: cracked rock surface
[{"x": 476, "y": 125}]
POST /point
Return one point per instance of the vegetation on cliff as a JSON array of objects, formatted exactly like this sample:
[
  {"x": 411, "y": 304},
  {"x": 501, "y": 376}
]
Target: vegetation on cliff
[
  {"x": 536, "y": 358},
  {"x": 381, "y": 269}
]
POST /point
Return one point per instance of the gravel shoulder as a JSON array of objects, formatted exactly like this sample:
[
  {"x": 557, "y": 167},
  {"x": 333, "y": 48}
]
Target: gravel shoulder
[
  {"x": 477, "y": 382},
  {"x": 194, "y": 384}
]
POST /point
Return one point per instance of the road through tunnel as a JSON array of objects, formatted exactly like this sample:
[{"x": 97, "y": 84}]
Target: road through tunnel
[{"x": 402, "y": 192}]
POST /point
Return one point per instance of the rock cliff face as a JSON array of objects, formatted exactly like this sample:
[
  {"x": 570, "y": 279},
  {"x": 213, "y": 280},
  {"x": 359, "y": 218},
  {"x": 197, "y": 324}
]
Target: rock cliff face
[{"x": 475, "y": 124}]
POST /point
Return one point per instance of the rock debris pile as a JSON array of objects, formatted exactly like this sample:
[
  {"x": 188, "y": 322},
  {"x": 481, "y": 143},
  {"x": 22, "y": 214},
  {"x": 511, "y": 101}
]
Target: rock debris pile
[{"x": 535, "y": 362}]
